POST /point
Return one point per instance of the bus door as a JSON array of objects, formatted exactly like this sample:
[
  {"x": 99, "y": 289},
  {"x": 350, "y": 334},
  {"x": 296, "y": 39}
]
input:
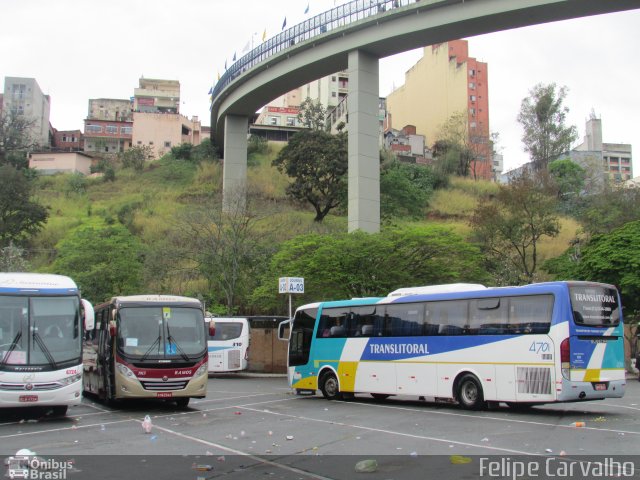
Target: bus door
[{"x": 595, "y": 351}]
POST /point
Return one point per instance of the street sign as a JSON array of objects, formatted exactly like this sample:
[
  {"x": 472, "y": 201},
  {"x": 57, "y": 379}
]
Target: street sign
[{"x": 291, "y": 285}]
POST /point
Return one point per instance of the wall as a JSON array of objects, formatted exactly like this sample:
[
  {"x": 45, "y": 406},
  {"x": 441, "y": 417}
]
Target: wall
[
  {"x": 162, "y": 131},
  {"x": 55, "y": 162}
]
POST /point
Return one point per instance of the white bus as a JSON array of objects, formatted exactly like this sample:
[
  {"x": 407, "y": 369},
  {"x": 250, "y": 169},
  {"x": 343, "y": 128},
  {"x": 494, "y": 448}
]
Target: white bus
[
  {"x": 525, "y": 346},
  {"x": 41, "y": 328},
  {"x": 229, "y": 345}
]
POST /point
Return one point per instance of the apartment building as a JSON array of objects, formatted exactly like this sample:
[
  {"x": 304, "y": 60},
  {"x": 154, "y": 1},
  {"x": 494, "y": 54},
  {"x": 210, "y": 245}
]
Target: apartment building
[
  {"x": 445, "y": 82},
  {"x": 616, "y": 158},
  {"x": 23, "y": 96},
  {"x": 157, "y": 96}
]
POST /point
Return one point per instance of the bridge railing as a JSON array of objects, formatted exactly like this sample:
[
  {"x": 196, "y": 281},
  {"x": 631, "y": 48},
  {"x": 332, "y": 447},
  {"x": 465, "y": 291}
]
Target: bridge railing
[{"x": 315, "y": 26}]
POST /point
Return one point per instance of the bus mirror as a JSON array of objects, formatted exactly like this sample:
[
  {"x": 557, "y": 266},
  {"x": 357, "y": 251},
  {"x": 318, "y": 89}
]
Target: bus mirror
[
  {"x": 284, "y": 329},
  {"x": 89, "y": 315},
  {"x": 212, "y": 328},
  {"x": 112, "y": 328}
]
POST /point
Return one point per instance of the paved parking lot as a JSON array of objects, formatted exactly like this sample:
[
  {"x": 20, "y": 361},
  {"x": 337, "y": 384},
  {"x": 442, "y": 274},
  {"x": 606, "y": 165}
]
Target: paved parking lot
[{"x": 255, "y": 426}]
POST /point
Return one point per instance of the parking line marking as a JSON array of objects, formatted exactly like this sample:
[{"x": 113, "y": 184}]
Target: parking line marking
[{"x": 244, "y": 454}]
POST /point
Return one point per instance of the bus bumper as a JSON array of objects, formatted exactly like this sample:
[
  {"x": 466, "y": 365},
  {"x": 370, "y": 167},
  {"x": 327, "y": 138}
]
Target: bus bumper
[
  {"x": 68, "y": 395},
  {"x": 578, "y": 391},
  {"x": 132, "y": 388}
]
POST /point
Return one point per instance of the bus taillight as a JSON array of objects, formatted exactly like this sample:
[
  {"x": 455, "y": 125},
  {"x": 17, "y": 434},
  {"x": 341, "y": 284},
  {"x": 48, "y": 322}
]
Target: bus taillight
[{"x": 565, "y": 357}]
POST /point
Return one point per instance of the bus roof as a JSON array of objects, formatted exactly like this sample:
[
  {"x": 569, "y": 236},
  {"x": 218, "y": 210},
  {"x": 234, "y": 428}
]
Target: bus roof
[
  {"x": 36, "y": 282},
  {"x": 140, "y": 300},
  {"x": 449, "y": 287}
]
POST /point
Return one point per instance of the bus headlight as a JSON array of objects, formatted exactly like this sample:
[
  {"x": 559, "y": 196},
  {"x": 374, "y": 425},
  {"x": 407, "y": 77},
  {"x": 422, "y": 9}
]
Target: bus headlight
[
  {"x": 201, "y": 371},
  {"x": 71, "y": 379},
  {"x": 124, "y": 370}
]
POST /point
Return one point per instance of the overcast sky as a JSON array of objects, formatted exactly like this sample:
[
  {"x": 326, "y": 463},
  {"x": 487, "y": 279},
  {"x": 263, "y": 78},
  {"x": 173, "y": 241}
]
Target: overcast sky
[{"x": 81, "y": 49}]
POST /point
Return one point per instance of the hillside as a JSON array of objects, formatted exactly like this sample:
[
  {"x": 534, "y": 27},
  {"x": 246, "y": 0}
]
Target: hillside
[{"x": 149, "y": 204}]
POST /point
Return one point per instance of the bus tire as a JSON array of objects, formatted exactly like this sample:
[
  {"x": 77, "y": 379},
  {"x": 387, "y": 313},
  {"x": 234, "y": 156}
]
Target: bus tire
[
  {"x": 330, "y": 387},
  {"x": 380, "y": 396},
  {"x": 182, "y": 402},
  {"x": 469, "y": 393}
]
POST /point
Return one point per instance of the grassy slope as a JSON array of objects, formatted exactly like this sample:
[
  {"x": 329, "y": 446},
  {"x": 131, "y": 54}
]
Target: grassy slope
[{"x": 150, "y": 200}]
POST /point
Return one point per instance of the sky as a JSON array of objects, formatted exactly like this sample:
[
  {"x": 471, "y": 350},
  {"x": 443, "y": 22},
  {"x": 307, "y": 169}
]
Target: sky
[{"x": 82, "y": 49}]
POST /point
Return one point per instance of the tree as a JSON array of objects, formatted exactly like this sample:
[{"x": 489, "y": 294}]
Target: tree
[
  {"x": 15, "y": 139},
  {"x": 405, "y": 189},
  {"x": 12, "y": 259},
  {"x": 568, "y": 176},
  {"x": 543, "y": 116},
  {"x": 312, "y": 115},
  {"x": 226, "y": 247},
  {"x": 511, "y": 225},
  {"x": 104, "y": 260},
  {"x": 136, "y": 157},
  {"x": 361, "y": 264},
  {"x": 317, "y": 162},
  {"x": 609, "y": 209},
  {"x": 20, "y": 217}
]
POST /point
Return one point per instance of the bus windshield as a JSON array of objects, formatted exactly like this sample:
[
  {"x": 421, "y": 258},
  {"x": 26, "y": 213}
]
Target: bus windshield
[
  {"x": 595, "y": 306},
  {"x": 39, "y": 330},
  {"x": 227, "y": 330},
  {"x": 158, "y": 331}
]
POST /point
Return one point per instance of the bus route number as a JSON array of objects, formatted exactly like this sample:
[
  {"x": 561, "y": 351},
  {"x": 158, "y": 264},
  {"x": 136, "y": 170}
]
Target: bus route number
[{"x": 539, "y": 347}]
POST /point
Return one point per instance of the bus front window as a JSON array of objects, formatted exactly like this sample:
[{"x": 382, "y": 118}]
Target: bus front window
[
  {"x": 161, "y": 331},
  {"x": 55, "y": 324},
  {"x": 13, "y": 325}
]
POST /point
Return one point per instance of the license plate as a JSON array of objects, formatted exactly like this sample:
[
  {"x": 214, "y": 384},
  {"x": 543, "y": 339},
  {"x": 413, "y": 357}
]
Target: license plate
[
  {"x": 601, "y": 386},
  {"x": 164, "y": 395},
  {"x": 28, "y": 398}
]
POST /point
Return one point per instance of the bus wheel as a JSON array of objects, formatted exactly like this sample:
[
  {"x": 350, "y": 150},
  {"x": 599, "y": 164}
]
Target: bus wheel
[
  {"x": 330, "y": 387},
  {"x": 469, "y": 393},
  {"x": 59, "y": 410},
  {"x": 380, "y": 396},
  {"x": 182, "y": 402}
]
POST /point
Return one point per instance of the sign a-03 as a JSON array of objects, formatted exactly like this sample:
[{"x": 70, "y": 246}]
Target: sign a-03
[{"x": 291, "y": 285}]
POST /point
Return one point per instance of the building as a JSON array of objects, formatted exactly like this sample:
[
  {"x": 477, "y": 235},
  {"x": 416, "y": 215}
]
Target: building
[
  {"x": 49, "y": 163},
  {"x": 111, "y": 109},
  {"x": 446, "y": 82},
  {"x": 107, "y": 136},
  {"x": 616, "y": 158},
  {"x": 23, "y": 96},
  {"x": 406, "y": 144},
  {"x": 162, "y": 131},
  {"x": 157, "y": 96},
  {"x": 67, "y": 140}
]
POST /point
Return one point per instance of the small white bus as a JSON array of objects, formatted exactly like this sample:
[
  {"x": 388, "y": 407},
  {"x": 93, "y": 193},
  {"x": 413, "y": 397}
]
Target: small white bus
[{"x": 229, "y": 345}]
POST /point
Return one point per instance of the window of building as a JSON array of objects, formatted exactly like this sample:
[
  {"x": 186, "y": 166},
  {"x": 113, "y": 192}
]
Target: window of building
[
  {"x": 291, "y": 121},
  {"x": 106, "y": 149},
  {"x": 126, "y": 130},
  {"x": 167, "y": 144},
  {"x": 93, "y": 128},
  {"x": 273, "y": 120},
  {"x": 472, "y": 111},
  {"x": 333, "y": 94},
  {"x": 139, "y": 142},
  {"x": 112, "y": 129},
  {"x": 150, "y": 142},
  {"x": 472, "y": 72},
  {"x": 472, "y": 98},
  {"x": 472, "y": 85},
  {"x": 333, "y": 78}
]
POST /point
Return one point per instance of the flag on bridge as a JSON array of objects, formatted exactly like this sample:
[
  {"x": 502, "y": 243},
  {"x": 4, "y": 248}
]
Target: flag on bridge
[
  {"x": 234, "y": 56},
  {"x": 210, "y": 91},
  {"x": 225, "y": 65},
  {"x": 284, "y": 24},
  {"x": 264, "y": 35},
  {"x": 246, "y": 47},
  {"x": 306, "y": 10}
]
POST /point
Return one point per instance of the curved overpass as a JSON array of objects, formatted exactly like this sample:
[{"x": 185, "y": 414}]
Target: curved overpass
[{"x": 353, "y": 37}]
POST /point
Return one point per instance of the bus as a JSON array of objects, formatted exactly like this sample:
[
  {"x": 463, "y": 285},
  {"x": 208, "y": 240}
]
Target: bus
[
  {"x": 229, "y": 345},
  {"x": 524, "y": 346},
  {"x": 41, "y": 325},
  {"x": 147, "y": 346}
]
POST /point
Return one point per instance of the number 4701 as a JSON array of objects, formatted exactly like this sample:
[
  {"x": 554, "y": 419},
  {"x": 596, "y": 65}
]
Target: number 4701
[{"x": 539, "y": 347}]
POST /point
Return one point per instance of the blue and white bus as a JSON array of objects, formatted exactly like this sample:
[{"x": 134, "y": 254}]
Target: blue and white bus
[
  {"x": 41, "y": 327},
  {"x": 535, "y": 344}
]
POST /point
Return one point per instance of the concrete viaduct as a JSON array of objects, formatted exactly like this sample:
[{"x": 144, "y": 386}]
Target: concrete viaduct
[{"x": 353, "y": 37}]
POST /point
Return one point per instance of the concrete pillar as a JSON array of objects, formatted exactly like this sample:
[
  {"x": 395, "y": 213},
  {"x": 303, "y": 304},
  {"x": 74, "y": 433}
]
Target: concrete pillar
[
  {"x": 364, "y": 157},
  {"x": 234, "y": 174}
]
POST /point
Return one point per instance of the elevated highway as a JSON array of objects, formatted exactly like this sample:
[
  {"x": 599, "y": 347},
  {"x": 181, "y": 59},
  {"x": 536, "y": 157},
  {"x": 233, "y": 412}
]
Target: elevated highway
[{"x": 353, "y": 37}]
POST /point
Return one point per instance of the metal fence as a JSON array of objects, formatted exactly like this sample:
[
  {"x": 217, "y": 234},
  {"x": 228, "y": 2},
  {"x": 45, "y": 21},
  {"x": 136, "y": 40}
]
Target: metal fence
[{"x": 313, "y": 27}]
